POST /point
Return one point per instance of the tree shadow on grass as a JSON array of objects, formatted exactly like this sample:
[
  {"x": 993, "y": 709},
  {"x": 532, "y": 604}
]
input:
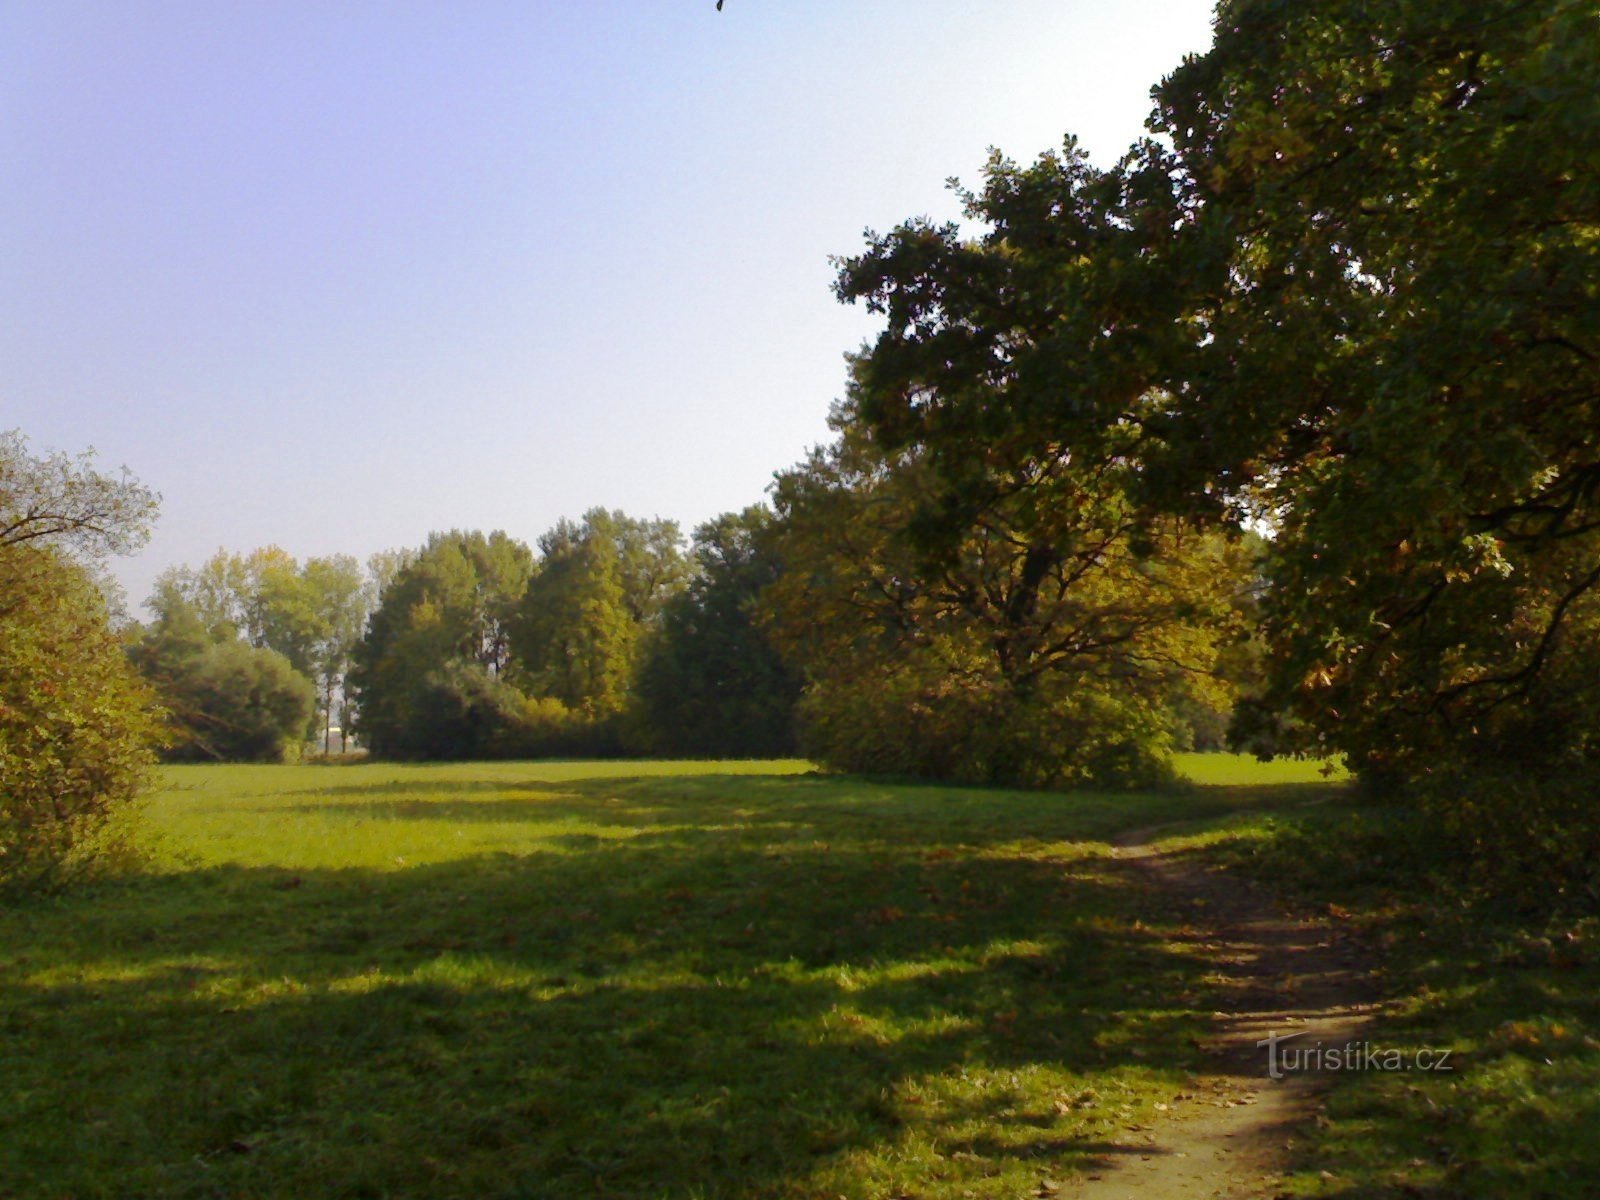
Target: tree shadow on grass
[
  {"x": 764, "y": 993},
  {"x": 789, "y": 807},
  {"x": 443, "y": 784},
  {"x": 1516, "y": 1112},
  {"x": 1516, "y": 1003}
]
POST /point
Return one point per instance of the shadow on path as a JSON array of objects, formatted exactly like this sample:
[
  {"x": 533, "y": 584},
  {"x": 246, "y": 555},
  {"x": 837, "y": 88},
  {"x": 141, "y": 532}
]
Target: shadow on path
[{"x": 1273, "y": 975}]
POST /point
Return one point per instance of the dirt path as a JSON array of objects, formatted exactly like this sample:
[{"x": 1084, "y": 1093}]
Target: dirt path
[{"x": 1229, "y": 1135}]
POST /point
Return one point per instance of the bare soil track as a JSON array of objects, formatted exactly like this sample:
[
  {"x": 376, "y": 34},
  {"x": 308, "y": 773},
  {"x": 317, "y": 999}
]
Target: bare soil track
[{"x": 1231, "y": 1133}]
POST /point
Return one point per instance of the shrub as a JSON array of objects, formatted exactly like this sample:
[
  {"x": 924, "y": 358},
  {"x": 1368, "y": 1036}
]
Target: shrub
[
  {"x": 1527, "y": 838},
  {"x": 227, "y": 701},
  {"x": 76, "y": 723},
  {"x": 551, "y": 729},
  {"x": 938, "y": 727}
]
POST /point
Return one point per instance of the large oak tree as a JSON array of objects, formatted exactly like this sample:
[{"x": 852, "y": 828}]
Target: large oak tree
[{"x": 1349, "y": 300}]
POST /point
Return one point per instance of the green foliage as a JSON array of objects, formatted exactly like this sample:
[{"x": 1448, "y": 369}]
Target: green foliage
[
  {"x": 1031, "y": 629},
  {"x": 65, "y": 502},
  {"x": 939, "y": 726},
  {"x": 340, "y": 598},
  {"x": 547, "y": 728},
  {"x": 1352, "y": 303},
  {"x": 227, "y": 701},
  {"x": 478, "y": 650},
  {"x": 311, "y": 614},
  {"x": 76, "y": 725},
  {"x": 464, "y": 711},
  {"x": 441, "y": 628},
  {"x": 601, "y": 585},
  {"x": 1530, "y": 839},
  {"x": 1402, "y": 361},
  {"x": 576, "y": 639},
  {"x": 711, "y": 684}
]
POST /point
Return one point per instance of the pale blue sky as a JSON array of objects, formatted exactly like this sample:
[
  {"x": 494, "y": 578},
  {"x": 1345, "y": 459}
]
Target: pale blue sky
[{"x": 333, "y": 276}]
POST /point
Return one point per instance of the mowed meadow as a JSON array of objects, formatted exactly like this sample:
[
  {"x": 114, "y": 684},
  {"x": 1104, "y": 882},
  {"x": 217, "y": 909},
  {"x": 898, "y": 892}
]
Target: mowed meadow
[
  {"x": 744, "y": 979},
  {"x": 642, "y": 979}
]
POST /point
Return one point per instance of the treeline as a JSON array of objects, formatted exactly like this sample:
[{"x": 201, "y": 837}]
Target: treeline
[
  {"x": 811, "y": 630},
  {"x": 613, "y": 637},
  {"x": 249, "y": 652}
]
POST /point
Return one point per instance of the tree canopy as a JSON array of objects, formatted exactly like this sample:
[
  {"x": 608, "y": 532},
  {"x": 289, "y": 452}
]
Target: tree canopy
[
  {"x": 310, "y": 613},
  {"x": 601, "y": 584},
  {"x": 710, "y": 682},
  {"x": 76, "y": 725},
  {"x": 1346, "y": 297},
  {"x": 1399, "y": 366},
  {"x": 64, "y": 501},
  {"x": 443, "y": 619},
  {"x": 1031, "y": 628},
  {"x": 225, "y": 699}
]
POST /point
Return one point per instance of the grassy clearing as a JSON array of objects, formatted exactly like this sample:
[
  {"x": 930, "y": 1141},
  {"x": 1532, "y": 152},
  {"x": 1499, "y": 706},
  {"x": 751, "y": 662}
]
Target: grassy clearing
[
  {"x": 673, "y": 980},
  {"x": 1514, "y": 996}
]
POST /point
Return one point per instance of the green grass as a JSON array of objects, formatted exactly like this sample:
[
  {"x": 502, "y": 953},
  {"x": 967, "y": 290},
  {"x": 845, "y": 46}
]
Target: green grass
[
  {"x": 730, "y": 979},
  {"x": 740, "y": 980},
  {"x": 1515, "y": 996},
  {"x": 671, "y": 980},
  {"x": 1237, "y": 770}
]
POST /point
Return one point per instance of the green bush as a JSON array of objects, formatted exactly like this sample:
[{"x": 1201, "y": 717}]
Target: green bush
[
  {"x": 939, "y": 727},
  {"x": 76, "y": 724},
  {"x": 1520, "y": 837},
  {"x": 551, "y": 729},
  {"x": 227, "y": 701},
  {"x": 464, "y": 711}
]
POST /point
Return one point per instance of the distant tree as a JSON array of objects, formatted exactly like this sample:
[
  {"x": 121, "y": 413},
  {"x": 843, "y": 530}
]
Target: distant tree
[
  {"x": 710, "y": 683},
  {"x": 464, "y": 711},
  {"x": 280, "y": 610},
  {"x": 227, "y": 701},
  {"x": 76, "y": 725},
  {"x": 575, "y": 637},
  {"x": 384, "y": 567},
  {"x": 476, "y": 648},
  {"x": 310, "y": 613},
  {"x": 221, "y": 590},
  {"x": 445, "y": 615},
  {"x": 601, "y": 585},
  {"x": 341, "y": 598}
]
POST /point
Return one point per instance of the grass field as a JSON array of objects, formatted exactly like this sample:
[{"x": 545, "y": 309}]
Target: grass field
[{"x": 671, "y": 980}]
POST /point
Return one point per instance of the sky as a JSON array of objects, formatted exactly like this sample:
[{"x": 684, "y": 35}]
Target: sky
[{"x": 332, "y": 277}]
